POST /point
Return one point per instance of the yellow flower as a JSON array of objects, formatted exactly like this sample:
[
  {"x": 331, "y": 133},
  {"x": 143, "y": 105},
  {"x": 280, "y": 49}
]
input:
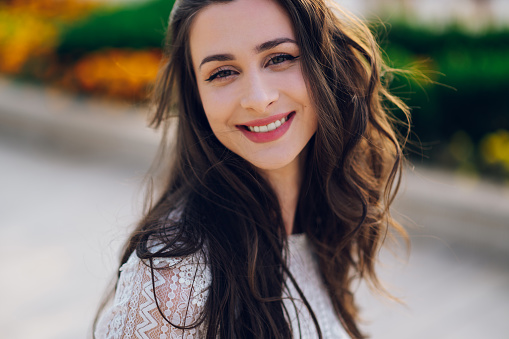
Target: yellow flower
[
  {"x": 495, "y": 148},
  {"x": 23, "y": 36},
  {"x": 28, "y": 29}
]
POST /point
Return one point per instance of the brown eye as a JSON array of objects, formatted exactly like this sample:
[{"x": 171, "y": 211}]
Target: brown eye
[
  {"x": 221, "y": 74},
  {"x": 278, "y": 59}
]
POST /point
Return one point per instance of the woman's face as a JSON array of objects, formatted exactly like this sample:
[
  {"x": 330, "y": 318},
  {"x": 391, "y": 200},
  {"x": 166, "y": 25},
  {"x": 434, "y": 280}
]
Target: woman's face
[{"x": 248, "y": 69}]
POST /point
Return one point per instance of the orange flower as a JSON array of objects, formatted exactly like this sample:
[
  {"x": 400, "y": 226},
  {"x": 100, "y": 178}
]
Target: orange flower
[
  {"x": 61, "y": 9},
  {"x": 28, "y": 29},
  {"x": 118, "y": 73}
]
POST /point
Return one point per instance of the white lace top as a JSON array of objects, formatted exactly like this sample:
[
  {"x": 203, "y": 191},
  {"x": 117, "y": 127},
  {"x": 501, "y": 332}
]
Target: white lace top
[{"x": 182, "y": 291}]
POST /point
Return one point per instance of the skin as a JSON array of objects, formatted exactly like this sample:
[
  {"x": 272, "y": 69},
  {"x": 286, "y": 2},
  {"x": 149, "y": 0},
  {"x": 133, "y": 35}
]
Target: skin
[{"x": 241, "y": 79}]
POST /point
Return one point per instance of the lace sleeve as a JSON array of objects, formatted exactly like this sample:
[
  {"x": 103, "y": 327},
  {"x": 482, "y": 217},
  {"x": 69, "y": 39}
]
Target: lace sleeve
[{"x": 181, "y": 288}]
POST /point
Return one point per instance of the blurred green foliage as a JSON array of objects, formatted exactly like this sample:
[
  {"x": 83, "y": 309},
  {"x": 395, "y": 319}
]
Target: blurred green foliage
[
  {"x": 137, "y": 26},
  {"x": 467, "y": 98}
]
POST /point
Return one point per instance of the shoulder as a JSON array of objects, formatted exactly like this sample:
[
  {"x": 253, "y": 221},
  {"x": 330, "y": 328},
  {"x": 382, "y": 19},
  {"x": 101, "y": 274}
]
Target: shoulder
[{"x": 150, "y": 298}]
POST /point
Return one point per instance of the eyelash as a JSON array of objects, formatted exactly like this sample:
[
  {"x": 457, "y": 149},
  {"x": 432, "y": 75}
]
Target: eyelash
[
  {"x": 286, "y": 57},
  {"x": 220, "y": 73},
  {"x": 224, "y": 73}
]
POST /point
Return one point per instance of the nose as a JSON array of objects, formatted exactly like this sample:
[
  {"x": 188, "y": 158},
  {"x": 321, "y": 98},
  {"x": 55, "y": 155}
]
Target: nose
[{"x": 258, "y": 93}]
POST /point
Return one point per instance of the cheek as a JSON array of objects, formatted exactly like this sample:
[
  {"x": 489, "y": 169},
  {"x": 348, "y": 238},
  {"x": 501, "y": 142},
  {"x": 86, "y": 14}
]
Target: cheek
[
  {"x": 217, "y": 106},
  {"x": 301, "y": 93},
  {"x": 295, "y": 86}
]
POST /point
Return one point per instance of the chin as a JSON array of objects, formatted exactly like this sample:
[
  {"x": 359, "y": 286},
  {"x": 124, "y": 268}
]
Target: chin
[{"x": 272, "y": 164}]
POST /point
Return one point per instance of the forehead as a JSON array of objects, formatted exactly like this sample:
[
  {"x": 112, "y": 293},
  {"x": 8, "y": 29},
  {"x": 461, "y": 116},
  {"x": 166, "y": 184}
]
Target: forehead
[{"x": 224, "y": 27}]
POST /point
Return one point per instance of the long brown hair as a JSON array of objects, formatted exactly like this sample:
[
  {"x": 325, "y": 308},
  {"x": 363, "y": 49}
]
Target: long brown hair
[{"x": 231, "y": 214}]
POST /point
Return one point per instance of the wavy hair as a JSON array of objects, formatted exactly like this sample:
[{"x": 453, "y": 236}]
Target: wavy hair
[{"x": 230, "y": 213}]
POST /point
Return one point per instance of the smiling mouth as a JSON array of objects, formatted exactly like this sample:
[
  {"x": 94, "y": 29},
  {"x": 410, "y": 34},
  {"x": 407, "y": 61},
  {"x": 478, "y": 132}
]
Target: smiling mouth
[{"x": 269, "y": 127}]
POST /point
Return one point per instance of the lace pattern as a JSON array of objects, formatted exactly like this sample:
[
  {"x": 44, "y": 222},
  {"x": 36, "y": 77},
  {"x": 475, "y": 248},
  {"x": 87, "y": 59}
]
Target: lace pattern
[
  {"x": 181, "y": 286},
  {"x": 181, "y": 289}
]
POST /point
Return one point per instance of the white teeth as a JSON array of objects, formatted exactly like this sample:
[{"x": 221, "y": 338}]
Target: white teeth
[{"x": 267, "y": 128}]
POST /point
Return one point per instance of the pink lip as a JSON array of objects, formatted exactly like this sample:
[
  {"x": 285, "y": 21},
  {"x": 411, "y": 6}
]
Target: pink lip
[{"x": 267, "y": 136}]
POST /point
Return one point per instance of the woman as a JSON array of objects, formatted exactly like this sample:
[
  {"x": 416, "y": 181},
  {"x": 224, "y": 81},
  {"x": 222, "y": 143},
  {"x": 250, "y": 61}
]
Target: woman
[{"x": 280, "y": 183}]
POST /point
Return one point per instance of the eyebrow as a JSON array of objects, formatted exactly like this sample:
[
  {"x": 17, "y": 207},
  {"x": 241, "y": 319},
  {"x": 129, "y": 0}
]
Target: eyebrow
[
  {"x": 217, "y": 57},
  {"x": 258, "y": 49},
  {"x": 273, "y": 43}
]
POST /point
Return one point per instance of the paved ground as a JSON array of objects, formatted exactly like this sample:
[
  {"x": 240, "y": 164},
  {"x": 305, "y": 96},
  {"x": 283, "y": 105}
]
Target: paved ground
[
  {"x": 451, "y": 291},
  {"x": 69, "y": 195},
  {"x": 61, "y": 222}
]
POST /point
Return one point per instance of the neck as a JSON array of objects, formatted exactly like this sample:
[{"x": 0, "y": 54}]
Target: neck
[{"x": 286, "y": 182}]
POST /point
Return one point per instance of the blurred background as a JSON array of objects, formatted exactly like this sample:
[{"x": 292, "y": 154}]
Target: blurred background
[{"x": 74, "y": 147}]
